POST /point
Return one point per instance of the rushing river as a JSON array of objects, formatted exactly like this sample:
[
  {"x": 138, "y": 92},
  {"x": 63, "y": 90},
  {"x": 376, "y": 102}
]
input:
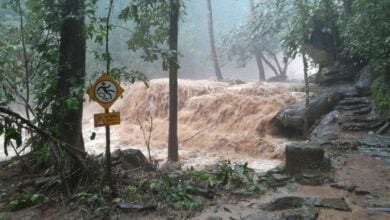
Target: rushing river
[{"x": 216, "y": 121}]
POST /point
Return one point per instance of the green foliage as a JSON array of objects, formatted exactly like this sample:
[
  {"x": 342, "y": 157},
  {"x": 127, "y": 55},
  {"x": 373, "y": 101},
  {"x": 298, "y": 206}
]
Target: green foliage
[
  {"x": 25, "y": 201},
  {"x": 237, "y": 176},
  {"x": 368, "y": 35},
  {"x": 95, "y": 200},
  {"x": 178, "y": 191},
  {"x": 151, "y": 20},
  {"x": 174, "y": 192},
  {"x": 381, "y": 91},
  {"x": 284, "y": 119},
  {"x": 41, "y": 155},
  {"x": 263, "y": 32}
]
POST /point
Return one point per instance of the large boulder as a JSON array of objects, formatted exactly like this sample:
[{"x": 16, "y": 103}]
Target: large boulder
[
  {"x": 131, "y": 159},
  {"x": 290, "y": 120}
]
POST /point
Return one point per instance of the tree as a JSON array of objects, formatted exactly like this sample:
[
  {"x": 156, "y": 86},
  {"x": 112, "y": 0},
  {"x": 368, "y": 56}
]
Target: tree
[
  {"x": 259, "y": 38},
  {"x": 214, "y": 56},
  {"x": 257, "y": 51},
  {"x": 156, "y": 23},
  {"x": 71, "y": 74},
  {"x": 173, "y": 153}
]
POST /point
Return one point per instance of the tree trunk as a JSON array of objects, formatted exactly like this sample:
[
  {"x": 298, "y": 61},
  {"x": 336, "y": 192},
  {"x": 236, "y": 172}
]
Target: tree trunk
[
  {"x": 258, "y": 53},
  {"x": 71, "y": 73},
  {"x": 306, "y": 114},
  {"x": 214, "y": 56},
  {"x": 173, "y": 149}
]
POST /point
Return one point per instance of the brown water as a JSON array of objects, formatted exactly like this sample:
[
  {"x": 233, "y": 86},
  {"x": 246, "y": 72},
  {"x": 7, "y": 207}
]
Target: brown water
[{"x": 217, "y": 120}]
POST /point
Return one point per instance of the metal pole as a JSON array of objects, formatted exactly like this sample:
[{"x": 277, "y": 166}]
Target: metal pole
[{"x": 108, "y": 155}]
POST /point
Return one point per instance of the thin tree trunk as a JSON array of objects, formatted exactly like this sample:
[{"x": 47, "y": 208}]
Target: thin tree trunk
[
  {"x": 26, "y": 61},
  {"x": 258, "y": 53},
  {"x": 306, "y": 118},
  {"x": 214, "y": 56},
  {"x": 173, "y": 149},
  {"x": 269, "y": 64},
  {"x": 108, "y": 178},
  {"x": 71, "y": 72}
]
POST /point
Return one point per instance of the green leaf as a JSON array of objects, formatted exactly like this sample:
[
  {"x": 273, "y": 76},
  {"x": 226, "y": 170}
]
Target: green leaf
[{"x": 11, "y": 134}]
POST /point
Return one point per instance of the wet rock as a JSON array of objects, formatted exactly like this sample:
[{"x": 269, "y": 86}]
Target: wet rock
[
  {"x": 305, "y": 156},
  {"x": 290, "y": 120},
  {"x": 300, "y": 214},
  {"x": 374, "y": 140},
  {"x": 361, "y": 191},
  {"x": 261, "y": 216},
  {"x": 344, "y": 185},
  {"x": 289, "y": 202},
  {"x": 328, "y": 128},
  {"x": 214, "y": 218},
  {"x": 170, "y": 166},
  {"x": 331, "y": 73},
  {"x": 135, "y": 207},
  {"x": 313, "y": 178},
  {"x": 375, "y": 145},
  {"x": 333, "y": 203},
  {"x": 130, "y": 159},
  {"x": 280, "y": 177}
]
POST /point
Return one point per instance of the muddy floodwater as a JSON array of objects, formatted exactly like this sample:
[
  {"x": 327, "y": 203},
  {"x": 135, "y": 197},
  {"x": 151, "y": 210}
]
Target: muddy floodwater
[{"x": 216, "y": 121}]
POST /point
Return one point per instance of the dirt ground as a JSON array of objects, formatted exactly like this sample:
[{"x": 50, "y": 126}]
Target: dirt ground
[{"x": 368, "y": 176}]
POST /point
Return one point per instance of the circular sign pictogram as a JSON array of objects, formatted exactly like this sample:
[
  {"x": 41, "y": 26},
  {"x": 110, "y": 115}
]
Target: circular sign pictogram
[{"x": 105, "y": 91}]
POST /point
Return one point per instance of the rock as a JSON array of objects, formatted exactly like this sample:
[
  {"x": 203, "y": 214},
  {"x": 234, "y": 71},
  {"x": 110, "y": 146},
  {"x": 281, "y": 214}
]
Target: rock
[
  {"x": 313, "y": 178},
  {"x": 280, "y": 177},
  {"x": 135, "y": 207},
  {"x": 328, "y": 128},
  {"x": 214, "y": 218},
  {"x": 290, "y": 202},
  {"x": 374, "y": 140},
  {"x": 344, "y": 185},
  {"x": 131, "y": 159},
  {"x": 170, "y": 166},
  {"x": 300, "y": 214},
  {"x": 261, "y": 216},
  {"x": 304, "y": 156},
  {"x": 333, "y": 203},
  {"x": 290, "y": 120},
  {"x": 330, "y": 74},
  {"x": 360, "y": 191}
]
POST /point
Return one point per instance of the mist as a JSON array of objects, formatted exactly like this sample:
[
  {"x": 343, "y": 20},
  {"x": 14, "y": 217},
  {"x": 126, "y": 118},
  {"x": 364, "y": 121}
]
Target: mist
[{"x": 194, "y": 45}]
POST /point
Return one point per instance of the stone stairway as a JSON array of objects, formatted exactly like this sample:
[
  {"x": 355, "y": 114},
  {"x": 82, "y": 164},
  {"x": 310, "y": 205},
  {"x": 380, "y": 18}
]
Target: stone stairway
[{"x": 357, "y": 114}]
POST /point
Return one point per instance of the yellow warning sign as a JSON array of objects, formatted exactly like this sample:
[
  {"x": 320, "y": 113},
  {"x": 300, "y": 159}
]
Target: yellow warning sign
[
  {"x": 107, "y": 119},
  {"x": 105, "y": 91}
]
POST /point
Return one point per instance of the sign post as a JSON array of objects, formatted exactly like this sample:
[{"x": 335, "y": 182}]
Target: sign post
[{"x": 105, "y": 91}]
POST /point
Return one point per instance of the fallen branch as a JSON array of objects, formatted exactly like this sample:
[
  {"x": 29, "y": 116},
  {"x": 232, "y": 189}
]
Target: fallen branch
[{"x": 39, "y": 131}]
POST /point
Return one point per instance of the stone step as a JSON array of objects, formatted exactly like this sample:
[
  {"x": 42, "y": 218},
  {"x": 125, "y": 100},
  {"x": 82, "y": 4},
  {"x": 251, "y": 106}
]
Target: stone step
[
  {"x": 353, "y": 107},
  {"x": 354, "y": 101},
  {"x": 359, "y": 119},
  {"x": 353, "y": 126}
]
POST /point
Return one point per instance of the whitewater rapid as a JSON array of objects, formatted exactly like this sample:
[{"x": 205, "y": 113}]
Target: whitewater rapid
[{"x": 216, "y": 121}]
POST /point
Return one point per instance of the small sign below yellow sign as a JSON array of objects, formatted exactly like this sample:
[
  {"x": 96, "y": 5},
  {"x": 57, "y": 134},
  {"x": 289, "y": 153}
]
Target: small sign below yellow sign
[
  {"x": 107, "y": 119},
  {"x": 105, "y": 91}
]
